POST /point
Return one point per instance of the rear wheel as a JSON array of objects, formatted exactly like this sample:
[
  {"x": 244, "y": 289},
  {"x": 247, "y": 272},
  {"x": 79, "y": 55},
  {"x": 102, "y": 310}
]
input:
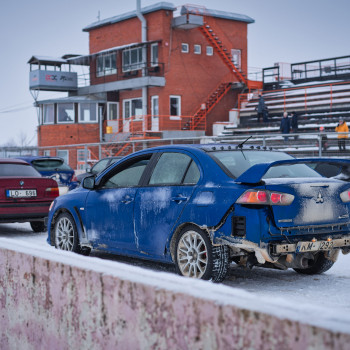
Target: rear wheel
[
  {"x": 38, "y": 226},
  {"x": 196, "y": 257},
  {"x": 66, "y": 234},
  {"x": 319, "y": 265}
]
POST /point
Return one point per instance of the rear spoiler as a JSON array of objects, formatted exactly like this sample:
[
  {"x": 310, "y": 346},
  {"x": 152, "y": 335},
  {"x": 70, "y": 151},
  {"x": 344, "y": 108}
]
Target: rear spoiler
[{"x": 255, "y": 173}]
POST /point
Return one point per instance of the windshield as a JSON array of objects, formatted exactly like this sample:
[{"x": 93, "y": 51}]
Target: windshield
[
  {"x": 18, "y": 170},
  {"x": 50, "y": 165},
  {"x": 237, "y": 162}
]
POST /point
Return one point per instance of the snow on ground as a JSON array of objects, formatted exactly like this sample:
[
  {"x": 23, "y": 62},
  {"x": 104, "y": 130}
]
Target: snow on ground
[{"x": 321, "y": 300}]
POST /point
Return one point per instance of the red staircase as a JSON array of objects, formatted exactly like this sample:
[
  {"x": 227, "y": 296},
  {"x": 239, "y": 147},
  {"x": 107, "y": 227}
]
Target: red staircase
[
  {"x": 199, "y": 119},
  {"x": 215, "y": 41}
]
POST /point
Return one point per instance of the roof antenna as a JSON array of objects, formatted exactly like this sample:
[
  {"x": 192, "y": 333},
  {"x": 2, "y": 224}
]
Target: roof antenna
[
  {"x": 99, "y": 15},
  {"x": 242, "y": 143}
]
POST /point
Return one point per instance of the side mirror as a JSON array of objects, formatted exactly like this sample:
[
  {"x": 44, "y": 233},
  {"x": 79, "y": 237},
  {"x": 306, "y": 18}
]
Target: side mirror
[{"x": 89, "y": 182}]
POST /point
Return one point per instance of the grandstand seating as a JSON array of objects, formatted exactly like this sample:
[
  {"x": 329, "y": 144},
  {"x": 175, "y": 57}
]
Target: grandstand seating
[{"x": 316, "y": 105}]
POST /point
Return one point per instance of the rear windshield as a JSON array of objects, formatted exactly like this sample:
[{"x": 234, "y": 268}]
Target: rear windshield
[
  {"x": 50, "y": 165},
  {"x": 18, "y": 170},
  {"x": 237, "y": 162}
]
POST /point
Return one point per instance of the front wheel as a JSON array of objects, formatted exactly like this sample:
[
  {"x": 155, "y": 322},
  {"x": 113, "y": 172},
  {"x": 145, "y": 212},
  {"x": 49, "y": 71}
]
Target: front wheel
[
  {"x": 196, "y": 257},
  {"x": 66, "y": 234},
  {"x": 319, "y": 265}
]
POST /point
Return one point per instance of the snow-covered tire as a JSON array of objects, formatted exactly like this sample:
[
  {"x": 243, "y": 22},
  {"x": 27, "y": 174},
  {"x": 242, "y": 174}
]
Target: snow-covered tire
[
  {"x": 38, "y": 226},
  {"x": 66, "y": 234},
  {"x": 196, "y": 257},
  {"x": 320, "y": 264}
]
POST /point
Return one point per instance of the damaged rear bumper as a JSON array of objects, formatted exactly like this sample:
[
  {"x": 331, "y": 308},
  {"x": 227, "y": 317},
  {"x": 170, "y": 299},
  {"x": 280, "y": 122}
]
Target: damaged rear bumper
[{"x": 311, "y": 246}]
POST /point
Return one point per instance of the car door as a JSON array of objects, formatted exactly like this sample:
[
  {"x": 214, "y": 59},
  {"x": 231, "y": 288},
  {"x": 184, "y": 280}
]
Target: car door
[
  {"x": 109, "y": 209},
  {"x": 159, "y": 204}
]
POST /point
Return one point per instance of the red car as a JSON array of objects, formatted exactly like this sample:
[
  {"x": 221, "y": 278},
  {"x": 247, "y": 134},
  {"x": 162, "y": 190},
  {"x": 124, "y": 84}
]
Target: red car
[{"x": 25, "y": 196}]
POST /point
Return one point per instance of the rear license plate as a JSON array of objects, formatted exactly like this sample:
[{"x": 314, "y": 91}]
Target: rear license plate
[
  {"x": 314, "y": 246},
  {"x": 20, "y": 193}
]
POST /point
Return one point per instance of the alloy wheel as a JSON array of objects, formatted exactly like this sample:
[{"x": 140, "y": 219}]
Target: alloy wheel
[
  {"x": 65, "y": 234},
  {"x": 192, "y": 254}
]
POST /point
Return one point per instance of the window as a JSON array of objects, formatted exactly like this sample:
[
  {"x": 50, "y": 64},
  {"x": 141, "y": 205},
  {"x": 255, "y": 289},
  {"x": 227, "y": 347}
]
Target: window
[
  {"x": 184, "y": 48},
  {"x": 236, "y": 57},
  {"x": 197, "y": 49},
  {"x": 106, "y": 65},
  {"x": 18, "y": 170},
  {"x": 154, "y": 55},
  {"x": 236, "y": 163},
  {"x": 171, "y": 169},
  {"x": 64, "y": 154},
  {"x": 88, "y": 112},
  {"x": 132, "y": 108},
  {"x": 132, "y": 59},
  {"x": 192, "y": 175},
  {"x": 113, "y": 111},
  {"x": 128, "y": 176},
  {"x": 65, "y": 113},
  {"x": 81, "y": 155},
  {"x": 210, "y": 51},
  {"x": 48, "y": 113},
  {"x": 47, "y": 153},
  {"x": 175, "y": 105}
]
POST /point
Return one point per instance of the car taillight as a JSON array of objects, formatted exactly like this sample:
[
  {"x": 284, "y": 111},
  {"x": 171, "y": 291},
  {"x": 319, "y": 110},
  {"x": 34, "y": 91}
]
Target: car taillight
[
  {"x": 74, "y": 178},
  {"x": 52, "y": 192},
  {"x": 345, "y": 196},
  {"x": 265, "y": 198}
]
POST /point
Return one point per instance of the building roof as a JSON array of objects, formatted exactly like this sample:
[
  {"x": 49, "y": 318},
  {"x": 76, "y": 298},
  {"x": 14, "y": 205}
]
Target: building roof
[
  {"x": 200, "y": 10},
  {"x": 73, "y": 99},
  {"x": 46, "y": 60},
  {"x": 152, "y": 8}
]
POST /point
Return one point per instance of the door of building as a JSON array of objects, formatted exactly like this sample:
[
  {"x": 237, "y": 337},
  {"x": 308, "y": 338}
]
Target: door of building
[{"x": 155, "y": 113}]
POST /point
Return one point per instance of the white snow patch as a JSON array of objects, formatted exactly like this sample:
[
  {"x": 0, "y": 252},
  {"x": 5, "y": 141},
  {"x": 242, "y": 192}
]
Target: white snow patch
[{"x": 204, "y": 198}]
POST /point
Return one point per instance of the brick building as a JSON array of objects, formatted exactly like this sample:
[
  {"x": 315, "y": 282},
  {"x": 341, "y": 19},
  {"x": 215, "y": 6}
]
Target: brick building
[{"x": 151, "y": 74}]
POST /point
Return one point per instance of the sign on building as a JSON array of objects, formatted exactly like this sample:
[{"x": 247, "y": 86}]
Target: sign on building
[{"x": 53, "y": 80}]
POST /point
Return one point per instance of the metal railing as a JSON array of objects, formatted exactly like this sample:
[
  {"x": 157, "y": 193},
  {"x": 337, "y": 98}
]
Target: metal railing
[
  {"x": 299, "y": 145},
  {"x": 303, "y": 96}
]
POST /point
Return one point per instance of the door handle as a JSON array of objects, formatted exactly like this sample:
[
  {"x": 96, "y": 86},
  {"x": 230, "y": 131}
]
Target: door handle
[
  {"x": 127, "y": 200},
  {"x": 178, "y": 199}
]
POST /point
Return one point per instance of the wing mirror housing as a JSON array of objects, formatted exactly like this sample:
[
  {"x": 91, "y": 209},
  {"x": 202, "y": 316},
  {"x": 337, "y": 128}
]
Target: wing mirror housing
[{"x": 89, "y": 182}]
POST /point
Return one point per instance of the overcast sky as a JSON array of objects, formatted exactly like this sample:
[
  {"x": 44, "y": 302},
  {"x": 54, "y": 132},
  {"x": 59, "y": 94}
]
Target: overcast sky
[{"x": 284, "y": 31}]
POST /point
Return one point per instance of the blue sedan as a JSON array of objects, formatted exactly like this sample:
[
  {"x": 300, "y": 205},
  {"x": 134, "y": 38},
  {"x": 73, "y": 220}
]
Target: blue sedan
[{"x": 202, "y": 207}]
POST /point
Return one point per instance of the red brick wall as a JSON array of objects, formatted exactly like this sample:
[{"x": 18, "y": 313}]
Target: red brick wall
[
  {"x": 193, "y": 77},
  {"x": 67, "y": 134}
]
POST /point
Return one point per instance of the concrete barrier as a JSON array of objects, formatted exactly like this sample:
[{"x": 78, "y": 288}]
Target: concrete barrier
[{"x": 57, "y": 300}]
